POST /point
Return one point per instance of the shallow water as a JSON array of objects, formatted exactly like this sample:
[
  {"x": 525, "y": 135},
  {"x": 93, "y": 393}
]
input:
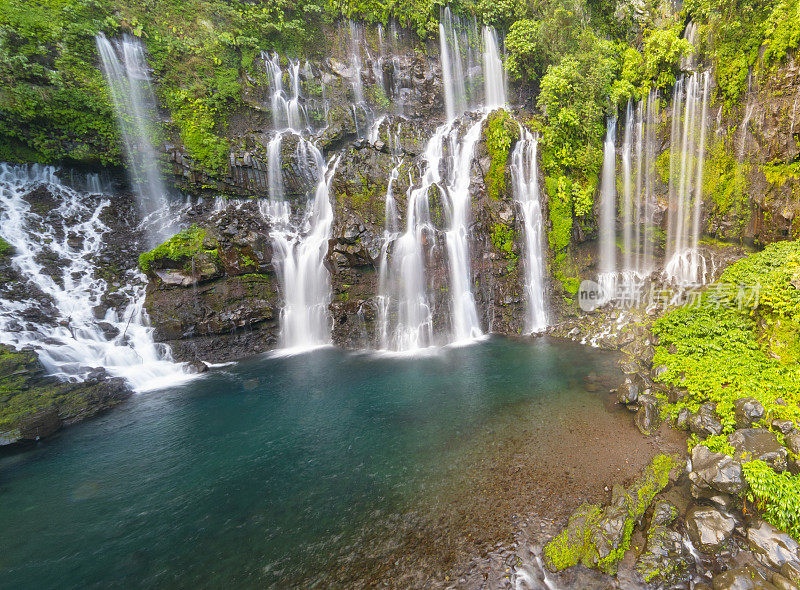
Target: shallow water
[{"x": 278, "y": 471}]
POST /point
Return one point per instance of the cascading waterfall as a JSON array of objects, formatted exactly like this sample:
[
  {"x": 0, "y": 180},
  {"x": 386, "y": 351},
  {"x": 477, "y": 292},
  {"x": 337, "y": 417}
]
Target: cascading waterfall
[
  {"x": 608, "y": 197},
  {"x": 404, "y": 302},
  {"x": 72, "y": 341},
  {"x": 638, "y": 163},
  {"x": 126, "y": 73},
  {"x": 494, "y": 77},
  {"x": 299, "y": 256},
  {"x": 684, "y": 263},
  {"x": 355, "y": 62},
  {"x": 459, "y": 54},
  {"x": 464, "y": 315},
  {"x": 406, "y": 319},
  {"x": 287, "y": 112},
  {"x": 525, "y": 178},
  {"x": 455, "y": 90}
]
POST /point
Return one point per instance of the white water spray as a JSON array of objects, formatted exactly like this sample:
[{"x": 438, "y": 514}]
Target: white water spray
[
  {"x": 72, "y": 340},
  {"x": 525, "y": 178}
]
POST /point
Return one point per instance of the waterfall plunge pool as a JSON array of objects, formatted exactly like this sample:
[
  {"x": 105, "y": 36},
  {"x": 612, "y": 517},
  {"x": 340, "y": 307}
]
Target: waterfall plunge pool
[{"x": 323, "y": 469}]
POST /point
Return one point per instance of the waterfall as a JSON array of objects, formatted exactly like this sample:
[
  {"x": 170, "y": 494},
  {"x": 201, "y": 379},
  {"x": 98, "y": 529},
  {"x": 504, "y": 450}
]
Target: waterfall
[
  {"x": 287, "y": 112},
  {"x": 455, "y": 90},
  {"x": 125, "y": 71},
  {"x": 407, "y": 317},
  {"x": 494, "y": 78},
  {"x": 458, "y": 48},
  {"x": 55, "y": 255},
  {"x": 464, "y": 315},
  {"x": 627, "y": 188},
  {"x": 607, "y": 217},
  {"x": 525, "y": 178},
  {"x": 300, "y": 248},
  {"x": 684, "y": 263},
  {"x": 355, "y": 62}
]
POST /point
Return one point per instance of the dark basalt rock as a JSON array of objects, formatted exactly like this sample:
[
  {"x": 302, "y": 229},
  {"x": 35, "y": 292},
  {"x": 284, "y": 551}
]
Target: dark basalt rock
[
  {"x": 36, "y": 406},
  {"x": 772, "y": 547},
  {"x": 715, "y": 472},
  {"x": 665, "y": 560},
  {"x": 648, "y": 417},
  {"x": 628, "y": 392},
  {"x": 39, "y": 424},
  {"x": 747, "y": 410},
  {"x": 757, "y": 443},
  {"x": 744, "y": 578},
  {"x": 705, "y": 421},
  {"x": 792, "y": 441},
  {"x": 709, "y": 528}
]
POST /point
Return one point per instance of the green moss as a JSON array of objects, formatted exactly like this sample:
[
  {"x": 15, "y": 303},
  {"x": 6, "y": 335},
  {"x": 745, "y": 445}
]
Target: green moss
[
  {"x": 181, "y": 247},
  {"x": 725, "y": 182},
  {"x": 734, "y": 345},
  {"x": 501, "y": 133},
  {"x": 503, "y": 239},
  {"x": 586, "y": 535},
  {"x": 6, "y": 249},
  {"x": 570, "y": 546}
]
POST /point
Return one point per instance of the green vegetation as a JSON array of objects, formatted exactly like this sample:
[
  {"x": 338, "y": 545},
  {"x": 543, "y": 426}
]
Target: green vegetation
[
  {"x": 724, "y": 349},
  {"x": 180, "y": 248},
  {"x": 586, "y": 536},
  {"x": 501, "y": 133},
  {"x": 734, "y": 34},
  {"x": 6, "y": 249},
  {"x": 777, "y": 495}
]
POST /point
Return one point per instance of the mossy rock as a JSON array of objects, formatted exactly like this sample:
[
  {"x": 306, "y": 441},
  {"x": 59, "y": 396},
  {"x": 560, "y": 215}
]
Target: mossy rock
[{"x": 33, "y": 405}]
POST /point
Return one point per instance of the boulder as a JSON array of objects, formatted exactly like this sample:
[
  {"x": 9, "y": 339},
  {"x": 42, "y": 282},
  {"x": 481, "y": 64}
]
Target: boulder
[
  {"x": 664, "y": 513},
  {"x": 783, "y": 426},
  {"x": 717, "y": 472},
  {"x": 747, "y": 411},
  {"x": 665, "y": 559},
  {"x": 647, "y": 418},
  {"x": 705, "y": 421},
  {"x": 628, "y": 392},
  {"x": 782, "y": 583},
  {"x": 39, "y": 424},
  {"x": 757, "y": 443},
  {"x": 709, "y": 528},
  {"x": 792, "y": 441},
  {"x": 791, "y": 571},
  {"x": 771, "y": 546},
  {"x": 743, "y": 578}
]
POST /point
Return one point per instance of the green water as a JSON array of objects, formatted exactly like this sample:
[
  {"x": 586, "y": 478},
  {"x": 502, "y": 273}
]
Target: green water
[{"x": 266, "y": 473}]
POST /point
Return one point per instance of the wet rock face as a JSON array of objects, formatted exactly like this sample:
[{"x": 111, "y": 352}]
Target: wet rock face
[
  {"x": 745, "y": 578},
  {"x": 757, "y": 443},
  {"x": 665, "y": 559},
  {"x": 772, "y": 547},
  {"x": 709, "y": 528},
  {"x": 715, "y": 472},
  {"x": 747, "y": 410},
  {"x": 705, "y": 421},
  {"x": 227, "y": 306},
  {"x": 34, "y": 406}
]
